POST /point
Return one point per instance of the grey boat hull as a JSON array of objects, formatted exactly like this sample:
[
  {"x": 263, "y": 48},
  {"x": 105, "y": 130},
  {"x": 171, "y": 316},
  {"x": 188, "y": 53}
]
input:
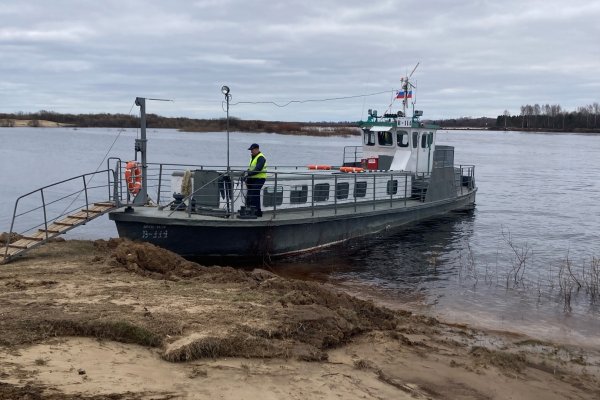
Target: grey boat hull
[{"x": 277, "y": 234}]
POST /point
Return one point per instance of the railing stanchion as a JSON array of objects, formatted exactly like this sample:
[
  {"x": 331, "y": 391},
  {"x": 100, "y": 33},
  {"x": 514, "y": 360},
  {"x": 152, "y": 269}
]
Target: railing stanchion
[
  {"x": 160, "y": 171},
  {"x": 275, "y": 196},
  {"x": 45, "y": 217},
  {"x": 374, "y": 195},
  {"x": 116, "y": 197},
  {"x": 312, "y": 196},
  {"x": 335, "y": 189},
  {"x": 87, "y": 203},
  {"x": 405, "y": 187},
  {"x": 391, "y": 188},
  {"x": 354, "y": 192}
]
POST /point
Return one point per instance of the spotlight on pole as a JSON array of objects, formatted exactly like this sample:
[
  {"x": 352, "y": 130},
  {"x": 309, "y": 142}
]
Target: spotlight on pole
[{"x": 225, "y": 91}]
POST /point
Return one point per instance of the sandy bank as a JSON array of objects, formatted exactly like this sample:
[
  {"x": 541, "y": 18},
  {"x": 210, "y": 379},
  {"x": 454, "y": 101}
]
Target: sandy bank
[
  {"x": 120, "y": 320},
  {"x": 20, "y": 123}
]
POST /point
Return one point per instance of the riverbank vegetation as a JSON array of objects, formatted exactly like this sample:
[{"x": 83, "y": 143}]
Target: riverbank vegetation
[
  {"x": 183, "y": 124},
  {"x": 543, "y": 118}
]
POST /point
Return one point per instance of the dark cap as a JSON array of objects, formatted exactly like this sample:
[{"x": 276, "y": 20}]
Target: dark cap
[{"x": 253, "y": 146}]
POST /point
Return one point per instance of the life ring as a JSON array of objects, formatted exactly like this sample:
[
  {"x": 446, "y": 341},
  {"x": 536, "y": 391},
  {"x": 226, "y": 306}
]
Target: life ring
[
  {"x": 351, "y": 169},
  {"x": 133, "y": 177},
  {"x": 319, "y": 167}
]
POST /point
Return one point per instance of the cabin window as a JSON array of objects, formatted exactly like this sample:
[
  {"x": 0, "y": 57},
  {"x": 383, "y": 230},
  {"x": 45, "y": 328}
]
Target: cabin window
[
  {"x": 272, "y": 197},
  {"x": 392, "y": 186},
  {"x": 424, "y": 140},
  {"x": 341, "y": 190},
  {"x": 369, "y": 138},
  {"x": 321, "y": 192},
  {"x": 402, "y": 138},
  {"x": 360, "y": 189},
  {"x": 385, "y": 138},
  {"x": 299, "y": 194},
  {"x": 415, "y": 140},
  {"x": 430, "y": 139}
]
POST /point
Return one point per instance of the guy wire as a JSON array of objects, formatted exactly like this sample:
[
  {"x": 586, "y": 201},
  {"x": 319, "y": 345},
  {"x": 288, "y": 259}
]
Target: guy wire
[{"x": 281, "y": 105}]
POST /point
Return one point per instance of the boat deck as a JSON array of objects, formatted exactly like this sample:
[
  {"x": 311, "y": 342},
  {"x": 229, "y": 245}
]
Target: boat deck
[{"x": 156, "y": 215}]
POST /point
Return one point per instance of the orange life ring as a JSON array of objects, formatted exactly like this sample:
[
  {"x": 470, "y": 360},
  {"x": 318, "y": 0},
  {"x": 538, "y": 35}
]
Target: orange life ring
[
  {"x": 133, "y": 177},
  {"x": 319, "y": 167},
  {"x": 351, "y": 169}
]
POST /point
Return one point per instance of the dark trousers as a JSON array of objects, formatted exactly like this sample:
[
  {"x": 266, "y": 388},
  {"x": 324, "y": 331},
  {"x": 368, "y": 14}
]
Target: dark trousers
[{"x": 254, "y": 185}]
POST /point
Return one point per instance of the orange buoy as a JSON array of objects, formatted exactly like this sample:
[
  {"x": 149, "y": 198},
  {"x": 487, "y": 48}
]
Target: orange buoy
[
  {"x": 351, "y": 169},
  {"x": 319, "y": 167},
  {"x": 133, "y": 177}
]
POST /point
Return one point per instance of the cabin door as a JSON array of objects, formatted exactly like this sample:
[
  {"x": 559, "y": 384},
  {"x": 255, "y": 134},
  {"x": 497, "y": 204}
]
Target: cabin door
[{"x": 424, "y": 150}]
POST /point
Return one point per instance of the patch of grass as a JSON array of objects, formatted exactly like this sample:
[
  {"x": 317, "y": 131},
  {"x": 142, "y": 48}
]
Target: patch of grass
[
  {"x": 120, "y": 331},
  {"x": 363, "y": 364},
  {"x": 505, "y": 361}
]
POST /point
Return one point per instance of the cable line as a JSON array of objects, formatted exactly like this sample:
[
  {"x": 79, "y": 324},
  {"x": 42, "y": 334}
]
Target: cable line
[{"x": 281, "y": 105}]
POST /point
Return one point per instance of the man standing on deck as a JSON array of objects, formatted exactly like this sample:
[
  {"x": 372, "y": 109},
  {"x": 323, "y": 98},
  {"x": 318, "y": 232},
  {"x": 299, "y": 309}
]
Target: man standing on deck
[{"x": 256, "y": 176}]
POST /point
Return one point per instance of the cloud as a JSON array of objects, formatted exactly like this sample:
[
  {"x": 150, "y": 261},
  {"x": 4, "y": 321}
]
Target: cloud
[{"x": 476, "y": 58}]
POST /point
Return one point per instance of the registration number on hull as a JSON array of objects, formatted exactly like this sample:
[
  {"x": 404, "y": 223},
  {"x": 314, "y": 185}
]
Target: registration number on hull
[{"x": 155, "y": 232}]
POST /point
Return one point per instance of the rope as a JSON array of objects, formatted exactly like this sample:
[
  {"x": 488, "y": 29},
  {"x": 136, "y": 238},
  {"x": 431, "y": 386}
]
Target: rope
[
  {"x": 307, "y": 101},
  {"x": 119, "y": 132}
]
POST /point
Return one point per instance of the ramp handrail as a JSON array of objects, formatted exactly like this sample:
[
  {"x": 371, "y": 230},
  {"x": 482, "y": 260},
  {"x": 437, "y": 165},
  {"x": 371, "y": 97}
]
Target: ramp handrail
[{"x": 85, "y": 189}]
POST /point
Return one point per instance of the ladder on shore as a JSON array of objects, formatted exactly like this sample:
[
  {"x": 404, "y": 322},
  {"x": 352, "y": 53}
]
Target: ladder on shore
[
  {"x": 26, "y": 243},
  {"x": 60, "y": 207}
]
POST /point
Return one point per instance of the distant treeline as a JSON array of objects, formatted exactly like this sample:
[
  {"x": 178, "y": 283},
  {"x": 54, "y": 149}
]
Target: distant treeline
[
  {"x": 552, "y": 118},
  {"x": 185, "y": 124},
  {"x": 535, "y": 118}
]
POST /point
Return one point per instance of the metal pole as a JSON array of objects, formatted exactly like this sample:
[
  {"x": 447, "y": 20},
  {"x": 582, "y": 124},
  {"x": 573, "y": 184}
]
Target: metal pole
[
  {"x": 227, "y": 99},
  {"x": 87, "y": 203},
  {"x": 405, "y": 187},
  {"x": 335, "y": 191},
  {"x": 374, "y": 197},
  {"x": 160, "y": 171},
  {"x": 392, "y": 189},
  {"x": 225, "y": 91},
  {"x": 45, "y": 216},
  {"x": 312, "y": 197},
  {"x": 275, "y": 197},
  {"x": 140, "y": 145}
]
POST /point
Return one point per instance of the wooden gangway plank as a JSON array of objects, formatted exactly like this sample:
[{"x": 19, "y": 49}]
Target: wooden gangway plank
[{"x": 52, "y": 230}]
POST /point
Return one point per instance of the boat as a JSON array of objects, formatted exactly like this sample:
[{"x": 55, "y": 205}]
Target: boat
[{"x": 397, "y": 175}]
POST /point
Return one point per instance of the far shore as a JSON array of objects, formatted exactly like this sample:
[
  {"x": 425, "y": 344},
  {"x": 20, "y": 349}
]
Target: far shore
[{"x": 31, "y": 123}]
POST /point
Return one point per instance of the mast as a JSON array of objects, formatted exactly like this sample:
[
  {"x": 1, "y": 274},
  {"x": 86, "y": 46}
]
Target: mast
[{"x": 140, "y": 146}]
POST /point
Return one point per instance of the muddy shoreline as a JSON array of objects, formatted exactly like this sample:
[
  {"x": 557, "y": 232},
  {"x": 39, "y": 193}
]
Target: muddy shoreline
[{"x": 120, "y": 320}]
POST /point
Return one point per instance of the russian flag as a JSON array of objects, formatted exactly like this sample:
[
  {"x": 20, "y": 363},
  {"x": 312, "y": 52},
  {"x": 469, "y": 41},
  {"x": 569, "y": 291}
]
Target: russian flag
[{"x": 401, "y": 94}]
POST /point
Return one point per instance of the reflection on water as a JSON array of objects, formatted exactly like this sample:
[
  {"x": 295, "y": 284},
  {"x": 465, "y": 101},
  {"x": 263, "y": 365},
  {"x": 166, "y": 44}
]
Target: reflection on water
[{"x": 411, "y": 256}]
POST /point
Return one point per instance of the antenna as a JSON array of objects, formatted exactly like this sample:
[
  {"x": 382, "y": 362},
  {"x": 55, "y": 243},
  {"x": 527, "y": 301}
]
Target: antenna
[{"x": 406, "y": 85}]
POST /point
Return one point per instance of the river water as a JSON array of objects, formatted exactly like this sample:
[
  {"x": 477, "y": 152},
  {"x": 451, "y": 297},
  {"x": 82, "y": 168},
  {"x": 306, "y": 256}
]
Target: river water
[{"x": 500, "y": 266}]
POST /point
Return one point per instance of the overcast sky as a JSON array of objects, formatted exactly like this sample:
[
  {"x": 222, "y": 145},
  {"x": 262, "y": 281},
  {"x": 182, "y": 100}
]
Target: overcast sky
[{"x": 477, "y": 58}]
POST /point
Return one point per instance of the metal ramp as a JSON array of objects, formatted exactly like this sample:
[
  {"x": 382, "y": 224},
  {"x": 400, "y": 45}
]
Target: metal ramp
[
  {"x": 56, "y": 228},
  {"x": 61, "y": 207}
]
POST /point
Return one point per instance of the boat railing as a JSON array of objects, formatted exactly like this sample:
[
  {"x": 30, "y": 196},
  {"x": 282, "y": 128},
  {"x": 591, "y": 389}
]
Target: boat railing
[
  {"x": 352, "y": 156},
  {"x": 287, "y": 187},
  {"x": 467, "y": 177},
  {"x": 41, "y": 213}
]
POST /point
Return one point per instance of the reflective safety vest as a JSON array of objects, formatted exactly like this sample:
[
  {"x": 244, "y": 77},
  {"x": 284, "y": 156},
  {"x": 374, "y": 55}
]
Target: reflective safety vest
[{"x": 263, "y": 173}]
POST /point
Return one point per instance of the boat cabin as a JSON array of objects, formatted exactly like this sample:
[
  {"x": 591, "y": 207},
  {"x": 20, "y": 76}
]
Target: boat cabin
[{"x": 397, "y": 143}]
